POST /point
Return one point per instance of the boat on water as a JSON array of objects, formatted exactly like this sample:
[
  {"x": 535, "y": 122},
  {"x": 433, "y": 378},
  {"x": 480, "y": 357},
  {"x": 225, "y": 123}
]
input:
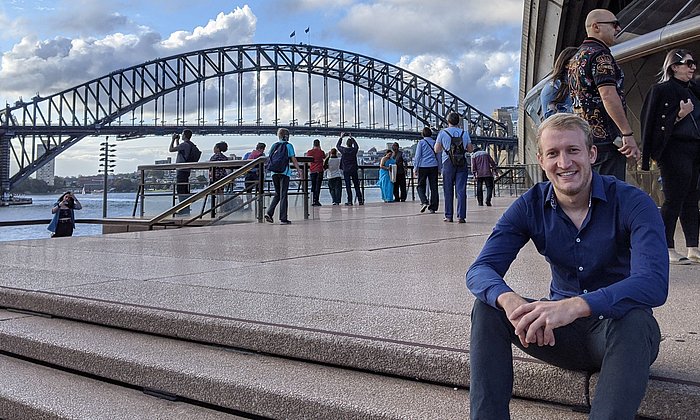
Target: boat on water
[{"x": 15, "y": 200}]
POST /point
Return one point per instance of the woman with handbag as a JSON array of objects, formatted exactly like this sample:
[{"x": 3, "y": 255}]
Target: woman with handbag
[{"x": 671, "y": 137}]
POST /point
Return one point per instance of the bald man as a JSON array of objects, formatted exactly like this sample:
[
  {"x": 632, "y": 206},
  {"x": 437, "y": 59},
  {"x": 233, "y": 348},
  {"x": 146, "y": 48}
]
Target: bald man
[{"x": 595, "y": 84}]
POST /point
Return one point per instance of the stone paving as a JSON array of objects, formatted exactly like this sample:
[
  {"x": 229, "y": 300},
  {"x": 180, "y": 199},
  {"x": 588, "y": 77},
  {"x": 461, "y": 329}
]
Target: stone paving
[{"x": 378, "y": 287}]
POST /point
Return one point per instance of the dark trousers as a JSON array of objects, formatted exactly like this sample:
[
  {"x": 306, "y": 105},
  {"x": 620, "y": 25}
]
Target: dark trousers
[
  {"x": 400, "y": 187},
  {"x": 680, "y": 170},
  {"x": 335, "y": 187},
  {"x": 454, "y": 179},
  {"x": 352, "y": 175},
  {"x": 622, "y": 350},
  {"x": 316, "y": 181},
  {"x": 281, "y": 184},
  {"x": 428, "y": 176},
  {"x": 610, "y": 161},
  {"x": 182, "y": 177},
  {"x": 488, "y": 180}
]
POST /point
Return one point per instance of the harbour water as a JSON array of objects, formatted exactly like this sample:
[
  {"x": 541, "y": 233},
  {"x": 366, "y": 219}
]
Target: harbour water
[{"x": 118, "y": 205}]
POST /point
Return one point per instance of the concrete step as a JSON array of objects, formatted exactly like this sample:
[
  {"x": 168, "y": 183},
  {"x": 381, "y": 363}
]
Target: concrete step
[
  {"x": 30, "y": 391},
  {"x": 247, "y": 382}
]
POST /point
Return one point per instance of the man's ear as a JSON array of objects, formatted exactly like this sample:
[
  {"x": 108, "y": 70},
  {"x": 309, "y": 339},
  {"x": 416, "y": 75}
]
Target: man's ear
[
  {"x": 540, "y": 160},
  {"x": 593, "y": 154}
]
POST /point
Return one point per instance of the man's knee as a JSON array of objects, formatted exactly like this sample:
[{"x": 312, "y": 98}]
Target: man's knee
[{"x": 636, "y": 331}]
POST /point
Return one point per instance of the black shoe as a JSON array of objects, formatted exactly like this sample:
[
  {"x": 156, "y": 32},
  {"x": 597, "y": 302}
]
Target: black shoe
[
  {"x": 268, "y": 219},
  {"x": 423, "y": 208},
  {"x": 432, "y": 211},
  {"x": 488, "y": 204},
  {"x": 285, "y": 222},
  {"x": 447, "y": 220},
  {"x": 315, "y": 204},
  {"x": 362, "y": 202},
  {"x": 348, "y": 204},
  {"x": 481, "y": 204},
  {"x": 461, "y": 221}
]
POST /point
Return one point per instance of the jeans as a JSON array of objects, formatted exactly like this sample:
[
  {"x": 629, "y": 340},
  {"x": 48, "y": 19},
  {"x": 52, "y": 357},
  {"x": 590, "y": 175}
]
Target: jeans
[
  {"x": 455, "y": 178},
  {"x": 281, "y": 184},
  {"x": 335, "y": 187},
  {"x": 610, "y": 161},
  {"x": 680, "y": 171},
  {"x": 182, "y": 177},
  {"x": 400, "y": 187},
  {"x": 488, "y": 180},
  {"x": 316, "y": 181},
  {"x": 621, "y": 349},
  {"x": 428, "y": 176},
  {"x": 352, "y": 175}
]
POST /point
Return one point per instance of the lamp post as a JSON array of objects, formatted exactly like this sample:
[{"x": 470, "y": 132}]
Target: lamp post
[{"x": 106, "y": 167}]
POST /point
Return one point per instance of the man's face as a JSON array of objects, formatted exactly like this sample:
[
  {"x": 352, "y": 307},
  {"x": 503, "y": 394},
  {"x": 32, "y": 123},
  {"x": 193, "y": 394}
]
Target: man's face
[
  {"x": 608, "y": 29},
  {"x": 566, "y": 160}
]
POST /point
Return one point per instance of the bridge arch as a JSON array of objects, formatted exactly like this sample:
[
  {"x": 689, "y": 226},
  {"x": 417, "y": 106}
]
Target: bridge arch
[{"x": 194, "y": 90}]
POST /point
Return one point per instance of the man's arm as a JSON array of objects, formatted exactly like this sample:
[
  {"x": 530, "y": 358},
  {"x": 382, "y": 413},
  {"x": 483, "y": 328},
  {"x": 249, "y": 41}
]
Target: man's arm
[
  {"x": 535, "y": 322},
  {"x": 174, "y": 143},
  {"x": 438, "y": 143},
  {"x": 613, "y": 106}
]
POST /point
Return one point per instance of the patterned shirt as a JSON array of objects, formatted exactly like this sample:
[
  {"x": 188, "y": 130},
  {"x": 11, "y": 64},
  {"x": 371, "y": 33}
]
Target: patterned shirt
[
  {"x": 216, "y": 174},
  {"x": 594, "y": 66}
]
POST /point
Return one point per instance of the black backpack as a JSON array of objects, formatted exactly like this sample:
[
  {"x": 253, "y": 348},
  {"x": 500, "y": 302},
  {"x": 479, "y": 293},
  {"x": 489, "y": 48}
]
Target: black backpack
[
  {"x": 194, "y": 154},
  {"x": 278, "y": 162},
  {"x": 457, "y": 153}
]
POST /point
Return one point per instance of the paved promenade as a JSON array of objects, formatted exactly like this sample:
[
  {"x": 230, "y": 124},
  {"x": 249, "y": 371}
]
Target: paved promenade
[{"x": 370, "y": 294}]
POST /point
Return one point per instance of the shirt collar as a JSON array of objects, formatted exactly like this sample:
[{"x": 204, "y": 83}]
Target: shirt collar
[
  {"x": 597, "y": 192},
  {"x": 597, "y": 41}
]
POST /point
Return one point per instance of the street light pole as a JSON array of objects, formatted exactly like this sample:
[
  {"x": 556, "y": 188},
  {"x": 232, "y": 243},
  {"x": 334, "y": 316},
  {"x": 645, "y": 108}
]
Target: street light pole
[{"x": 106, "y": 167}]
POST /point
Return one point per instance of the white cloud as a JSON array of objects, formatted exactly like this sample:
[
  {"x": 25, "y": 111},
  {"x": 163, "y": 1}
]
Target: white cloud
[{"x": 48, "y": 66}]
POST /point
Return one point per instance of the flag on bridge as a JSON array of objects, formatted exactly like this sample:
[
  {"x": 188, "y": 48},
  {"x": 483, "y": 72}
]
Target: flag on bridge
[
  {"x": 306, "y": 30},
  {"x": 293, "y": 34}
]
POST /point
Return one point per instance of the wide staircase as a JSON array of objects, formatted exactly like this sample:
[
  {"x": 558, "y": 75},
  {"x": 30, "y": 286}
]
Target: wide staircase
[{"x": 344, "y": 316}]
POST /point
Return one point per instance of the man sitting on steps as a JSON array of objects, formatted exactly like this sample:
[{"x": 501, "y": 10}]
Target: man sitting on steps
[{"x": 605, "y": 243}]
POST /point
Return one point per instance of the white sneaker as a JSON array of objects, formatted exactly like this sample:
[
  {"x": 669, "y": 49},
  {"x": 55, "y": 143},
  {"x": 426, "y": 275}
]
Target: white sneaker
[
  {"x": 676, "y": 258},
  {"x": 694, "y": 254}
]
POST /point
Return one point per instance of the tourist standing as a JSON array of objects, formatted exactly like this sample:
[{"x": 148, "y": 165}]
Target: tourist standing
[
  {"x": 63, "y": 221},
  {"x": 555, "y": 96},
  {"x": 218, "y": 173},
  {"x": 182, "y": 176},
  {"x": 455, "y": 142},
  {"x": 484, "y": 170},
  {"x": 334, "y": 176},
  {"x": 595, "y": 84},
  {"x": 605, "y": 244},
  {"x": 427, "y": 166},
  {"x": 386, "y": 187},
  {"x": 348, "y": 163},
  {"x": 280, "y": 177},
  {"x": 316, "y": 171},
  {"x": 400, "y": 182},
  {"x": 671, "y": 136},
  {"x": 252, "y": 178}
]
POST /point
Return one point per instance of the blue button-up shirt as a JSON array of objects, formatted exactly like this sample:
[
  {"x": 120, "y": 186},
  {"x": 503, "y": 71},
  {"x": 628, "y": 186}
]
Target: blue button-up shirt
[
  {"x": 425, "y": 154},
  {"x": 617, "y": 261}
]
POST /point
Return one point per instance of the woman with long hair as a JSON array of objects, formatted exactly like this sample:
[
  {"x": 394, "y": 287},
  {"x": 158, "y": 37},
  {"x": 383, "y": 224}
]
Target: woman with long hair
[
  {"x": 555, "y": 94},
  {"x": 671, "y": 137},
  {"x": 63, "y": 221}
]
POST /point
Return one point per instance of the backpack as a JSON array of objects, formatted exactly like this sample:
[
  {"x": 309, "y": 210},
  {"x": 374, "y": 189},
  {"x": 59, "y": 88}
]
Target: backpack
[
  {"x": 278, "y": 162},
  {"x": 195, "y": 153},
  {"x": 456, "y": 152}
]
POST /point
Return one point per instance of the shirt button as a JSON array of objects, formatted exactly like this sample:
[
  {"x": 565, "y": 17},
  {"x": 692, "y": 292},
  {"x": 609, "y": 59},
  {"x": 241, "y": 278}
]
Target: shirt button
[
  {"x": 578, "y": 239},
  {"x": 585, "y": 291},
  {"x": 663, "y": 116},
  {"x": 663, "y": 128},
  {"x": 580, "y": 269},
  {"x": 601, "y": 317}
]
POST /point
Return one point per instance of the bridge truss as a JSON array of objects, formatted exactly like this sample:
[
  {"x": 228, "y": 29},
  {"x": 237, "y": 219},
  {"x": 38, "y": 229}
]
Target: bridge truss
[{"x": 242, "y": 89}]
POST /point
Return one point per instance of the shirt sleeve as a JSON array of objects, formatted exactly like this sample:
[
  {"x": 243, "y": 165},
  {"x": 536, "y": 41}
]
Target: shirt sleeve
[
  {"x": 647, "y": 284},
  {"x": 603, "y": 69},
  {"x": 290, "y": 150},
  {"x": 485, "y": 276}
]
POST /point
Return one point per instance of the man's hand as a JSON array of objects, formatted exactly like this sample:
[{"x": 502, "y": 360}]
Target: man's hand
[
  {"x": 510, "y": 302},
  {"x": 629, "y": 148},
  {"x": 545, "y": 316}
]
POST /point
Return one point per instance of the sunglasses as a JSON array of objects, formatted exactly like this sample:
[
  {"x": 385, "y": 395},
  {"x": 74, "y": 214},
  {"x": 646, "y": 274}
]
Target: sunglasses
[
  {"x": 688, "y": 62},
  {"x": 614, "y": 23}
]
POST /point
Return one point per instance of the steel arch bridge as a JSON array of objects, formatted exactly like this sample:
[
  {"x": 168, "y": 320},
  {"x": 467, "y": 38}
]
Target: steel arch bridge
[{"x": 240, "y": 89}]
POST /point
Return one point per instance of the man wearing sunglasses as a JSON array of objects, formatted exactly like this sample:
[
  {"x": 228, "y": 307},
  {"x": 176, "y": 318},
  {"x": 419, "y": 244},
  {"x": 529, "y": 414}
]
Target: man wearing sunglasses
[{"x": 595, "y": 84}]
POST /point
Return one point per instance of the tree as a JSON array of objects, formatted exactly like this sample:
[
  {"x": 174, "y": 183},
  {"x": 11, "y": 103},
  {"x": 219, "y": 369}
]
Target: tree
[{"x": 33, "y": 186}]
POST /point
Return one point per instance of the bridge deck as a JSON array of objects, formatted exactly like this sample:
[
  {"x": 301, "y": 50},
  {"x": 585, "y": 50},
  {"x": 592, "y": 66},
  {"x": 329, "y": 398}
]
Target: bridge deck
[{"x": 379, "y": 288}]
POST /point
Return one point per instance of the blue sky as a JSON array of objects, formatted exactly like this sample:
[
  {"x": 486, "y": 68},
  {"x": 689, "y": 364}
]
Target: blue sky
[{"x": 470, "y": 47}]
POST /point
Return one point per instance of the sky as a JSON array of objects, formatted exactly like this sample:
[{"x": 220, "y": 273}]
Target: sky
[{"x": 470, "y": 47}]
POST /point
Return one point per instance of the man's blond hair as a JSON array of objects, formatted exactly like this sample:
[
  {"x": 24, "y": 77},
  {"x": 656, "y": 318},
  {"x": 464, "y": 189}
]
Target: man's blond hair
[{"x": 562, "y": 122}]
